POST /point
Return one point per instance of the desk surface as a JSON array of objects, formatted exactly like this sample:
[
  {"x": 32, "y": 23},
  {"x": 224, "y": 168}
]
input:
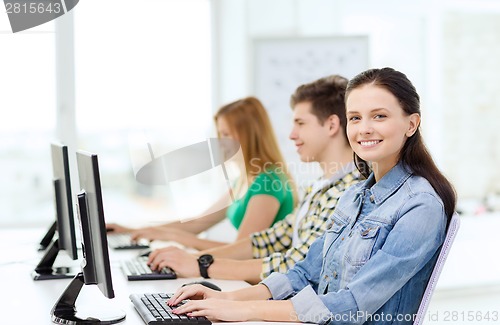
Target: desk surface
[
  {"x": 25, "y": 301},
  {"x": 470, "y": 254}
]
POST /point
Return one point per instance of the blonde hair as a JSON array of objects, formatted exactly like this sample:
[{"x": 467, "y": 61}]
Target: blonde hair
[{"x": 248, "y": 119}]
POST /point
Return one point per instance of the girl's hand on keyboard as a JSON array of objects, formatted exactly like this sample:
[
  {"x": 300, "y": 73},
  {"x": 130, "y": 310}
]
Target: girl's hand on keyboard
[
  {"x": 219, "y": 309},
  {"x": 149, "y": 233},
  {"x": 163, "y": 233},
  {"x": 195, "y": 292},
  {"x": 116, "y": 228}
]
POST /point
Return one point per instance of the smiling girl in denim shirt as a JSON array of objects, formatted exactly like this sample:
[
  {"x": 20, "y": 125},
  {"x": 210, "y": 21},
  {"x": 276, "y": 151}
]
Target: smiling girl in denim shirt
[{"x": 374, "y": 262}]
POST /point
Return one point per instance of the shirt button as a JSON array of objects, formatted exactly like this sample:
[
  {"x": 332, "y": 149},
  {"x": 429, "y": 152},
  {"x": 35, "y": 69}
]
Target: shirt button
[
  {"x": 372, "y": 199},
  {"x": 335, "y": 275}
]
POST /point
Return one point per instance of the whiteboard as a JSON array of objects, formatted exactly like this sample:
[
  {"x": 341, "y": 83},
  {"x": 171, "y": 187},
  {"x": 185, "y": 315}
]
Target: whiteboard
[{"x": 280, "y": 65}]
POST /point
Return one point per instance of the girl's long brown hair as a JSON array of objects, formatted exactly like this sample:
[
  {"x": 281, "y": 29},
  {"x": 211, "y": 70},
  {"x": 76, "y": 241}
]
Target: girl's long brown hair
[
  {"x": 248, "y": 119},
  {"x": 414, "y": 153}
]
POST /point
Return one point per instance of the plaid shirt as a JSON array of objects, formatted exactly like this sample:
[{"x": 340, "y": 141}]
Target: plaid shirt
[{"x": 274, "y": 244}]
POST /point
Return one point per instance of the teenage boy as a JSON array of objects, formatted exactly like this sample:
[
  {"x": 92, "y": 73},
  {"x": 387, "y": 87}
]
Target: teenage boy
[{"x": 319, "y": 133}]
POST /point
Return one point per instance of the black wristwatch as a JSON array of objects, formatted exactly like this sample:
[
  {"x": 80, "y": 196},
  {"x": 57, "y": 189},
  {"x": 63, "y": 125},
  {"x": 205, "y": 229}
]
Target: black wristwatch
[{"x": 204, "y": 261}]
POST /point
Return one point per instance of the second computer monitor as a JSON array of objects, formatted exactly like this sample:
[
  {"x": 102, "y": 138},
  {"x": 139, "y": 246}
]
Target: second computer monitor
[{"x": 65, "y": 222}]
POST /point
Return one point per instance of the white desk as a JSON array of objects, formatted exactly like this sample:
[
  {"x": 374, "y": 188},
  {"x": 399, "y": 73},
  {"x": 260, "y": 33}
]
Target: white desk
[
  {"x": 24, "y": 301},
  {"x": 470, "y": 278}
]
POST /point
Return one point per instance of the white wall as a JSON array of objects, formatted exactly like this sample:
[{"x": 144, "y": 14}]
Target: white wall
[{"x": 449, "y": 49}]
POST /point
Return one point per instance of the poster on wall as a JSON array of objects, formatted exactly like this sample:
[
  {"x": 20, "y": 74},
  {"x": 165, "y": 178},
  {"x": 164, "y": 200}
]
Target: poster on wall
[{"x": 280, "y": 65}]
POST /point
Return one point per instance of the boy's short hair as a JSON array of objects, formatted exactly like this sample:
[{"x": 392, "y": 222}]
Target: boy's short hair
[{"x": 327, "y": 97}]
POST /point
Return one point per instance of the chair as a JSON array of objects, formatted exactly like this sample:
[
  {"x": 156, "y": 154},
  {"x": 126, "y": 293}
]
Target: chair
[{"x": 431, "y": 285}]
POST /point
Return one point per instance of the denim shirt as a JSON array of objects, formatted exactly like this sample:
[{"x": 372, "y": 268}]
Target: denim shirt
[{"x": 373, "y": 263}]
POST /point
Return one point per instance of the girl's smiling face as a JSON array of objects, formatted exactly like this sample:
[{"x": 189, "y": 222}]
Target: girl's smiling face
[{"x": 377, "y": 126}]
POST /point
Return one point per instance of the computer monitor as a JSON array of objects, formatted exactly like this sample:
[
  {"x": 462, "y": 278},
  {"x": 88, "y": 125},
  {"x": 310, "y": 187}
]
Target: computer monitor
[
  {"x": 96, "y": 268},
  {"x": 64, "y": 223}
]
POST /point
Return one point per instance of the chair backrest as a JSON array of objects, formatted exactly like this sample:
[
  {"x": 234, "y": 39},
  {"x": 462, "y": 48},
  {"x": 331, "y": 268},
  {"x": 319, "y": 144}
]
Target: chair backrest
[{"x": 431, "y": 285}]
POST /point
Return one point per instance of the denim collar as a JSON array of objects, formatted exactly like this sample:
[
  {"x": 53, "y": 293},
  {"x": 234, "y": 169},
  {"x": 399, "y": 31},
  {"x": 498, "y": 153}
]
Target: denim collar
[{"x": 385, "y": 187}]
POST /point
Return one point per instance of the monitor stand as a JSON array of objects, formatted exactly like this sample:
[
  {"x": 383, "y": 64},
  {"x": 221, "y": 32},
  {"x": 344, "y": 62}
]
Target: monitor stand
[
  {"x": 64, "y": 311},
  {"x": 47, "y": 239},
  {"x": 45, "y": 270}
]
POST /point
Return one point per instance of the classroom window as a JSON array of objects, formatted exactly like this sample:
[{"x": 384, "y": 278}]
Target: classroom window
[{"x": 142, "y": 70}]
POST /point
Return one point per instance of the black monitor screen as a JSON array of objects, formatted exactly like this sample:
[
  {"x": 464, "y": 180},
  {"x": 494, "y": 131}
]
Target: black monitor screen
[
  {"x": 96, "y": 268},
  {"x": 63, "y": 199}
]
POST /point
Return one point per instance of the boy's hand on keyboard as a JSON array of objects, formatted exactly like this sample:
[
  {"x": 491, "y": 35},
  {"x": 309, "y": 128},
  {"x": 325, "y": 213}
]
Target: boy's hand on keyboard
[
  {"x": 195, "y": 292},
  {"x": 183, "y": 263}
]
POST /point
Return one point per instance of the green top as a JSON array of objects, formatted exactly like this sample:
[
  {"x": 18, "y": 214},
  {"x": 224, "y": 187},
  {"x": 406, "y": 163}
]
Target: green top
[{"x": 270, "y": 183}]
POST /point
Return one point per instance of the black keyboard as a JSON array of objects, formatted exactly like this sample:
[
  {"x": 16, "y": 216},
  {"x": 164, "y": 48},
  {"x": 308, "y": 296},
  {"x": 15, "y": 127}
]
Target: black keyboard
[
  {"x": 122, "y": 241},
  {"x": 153, "y": 309},
  {"x": 137, "y": 269}
]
